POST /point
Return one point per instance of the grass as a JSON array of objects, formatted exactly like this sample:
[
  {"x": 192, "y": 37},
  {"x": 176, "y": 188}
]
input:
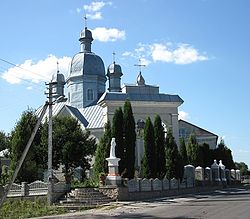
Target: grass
[{"x": 17, "y": 209}]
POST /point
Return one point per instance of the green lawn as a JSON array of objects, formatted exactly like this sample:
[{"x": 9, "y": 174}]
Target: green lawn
[{"x": 17, "y": 209}]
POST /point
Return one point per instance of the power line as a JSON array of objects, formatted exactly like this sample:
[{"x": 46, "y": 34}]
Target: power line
[
  {"x": 30, "y": 82},
  {"x": 10, "y": 63}
]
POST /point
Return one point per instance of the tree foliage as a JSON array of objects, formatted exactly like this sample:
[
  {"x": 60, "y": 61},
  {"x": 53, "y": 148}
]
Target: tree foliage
[
  {"x": 174, "y": 163},
  {"x": 102, "y": 151},
  {"x": 194, "y": 152},
  {"x": 117, "y": 133},
  {"x": 242, "y": 167},
  {"x": 18, "y": 140},
  {"x": 222, "y": 152},
  {"x": 148, "y": 162},
  {"x": 72, "y": 147},
  {"x": 129, "y": 139},
  {"x": 183, "y": 152},
  {"x": 4, "y": 141},
  {"x": 160, "y": 158}
]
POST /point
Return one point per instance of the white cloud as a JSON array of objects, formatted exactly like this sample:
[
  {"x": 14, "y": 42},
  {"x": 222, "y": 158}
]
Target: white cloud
[
  {"x": 160, "y": 53},
  {"x": 183, "y": 115},
  {"x": 166, "y": 52},
  {"x": 108, "y": 34},
  {"x": 94, "y": 6},
  {"x": 95, "y": 16},
  {"x": 29, "y": 88},
  {"x": 36, "y": 72},
  {"x": 183, "y": 54},
  {"x": 78, "y": 10},
  {"x": 144, "y": 61},
  {"x": 127, "y": 53},
  {"x": 93, "y": 9}
]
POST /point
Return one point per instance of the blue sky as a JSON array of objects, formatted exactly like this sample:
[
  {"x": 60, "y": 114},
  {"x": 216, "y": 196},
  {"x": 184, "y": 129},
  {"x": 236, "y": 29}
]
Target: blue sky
[{"x": 198, "y": 49}]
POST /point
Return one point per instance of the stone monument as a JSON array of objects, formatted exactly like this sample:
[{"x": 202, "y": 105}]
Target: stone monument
[{"x": 113, "y": 177}]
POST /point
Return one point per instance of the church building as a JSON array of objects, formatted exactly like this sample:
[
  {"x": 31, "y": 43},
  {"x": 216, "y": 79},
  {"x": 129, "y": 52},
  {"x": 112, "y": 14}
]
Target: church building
[{"x": 93, "y": 104}]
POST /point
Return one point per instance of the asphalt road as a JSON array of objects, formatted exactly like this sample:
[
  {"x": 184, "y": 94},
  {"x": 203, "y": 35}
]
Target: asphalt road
[{"x": 230, "y": 203}]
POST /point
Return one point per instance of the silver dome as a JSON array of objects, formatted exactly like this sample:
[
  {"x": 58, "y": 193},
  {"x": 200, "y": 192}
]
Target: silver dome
[{"x": 87, "y": 64}]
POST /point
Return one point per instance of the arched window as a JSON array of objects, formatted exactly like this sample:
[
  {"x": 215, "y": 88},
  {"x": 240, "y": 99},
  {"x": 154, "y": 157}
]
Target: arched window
[{"x": 90, "y": 95}]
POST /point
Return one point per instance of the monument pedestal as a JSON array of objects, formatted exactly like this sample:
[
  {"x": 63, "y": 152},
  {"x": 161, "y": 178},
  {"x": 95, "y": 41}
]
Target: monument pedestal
[{"x": 113, "y": 177}]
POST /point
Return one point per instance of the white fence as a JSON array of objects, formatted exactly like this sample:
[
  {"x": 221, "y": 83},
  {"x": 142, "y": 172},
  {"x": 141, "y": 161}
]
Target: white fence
[{"x": 35, "y": 188}]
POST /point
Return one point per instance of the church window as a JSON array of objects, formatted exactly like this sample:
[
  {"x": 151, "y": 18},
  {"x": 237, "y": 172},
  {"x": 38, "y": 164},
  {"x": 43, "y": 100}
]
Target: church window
[{"x": 90, "y": 95}]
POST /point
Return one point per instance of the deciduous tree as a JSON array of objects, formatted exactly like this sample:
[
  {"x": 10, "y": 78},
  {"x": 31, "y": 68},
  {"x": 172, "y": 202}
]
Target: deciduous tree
[{"x": 72, "y": 146}]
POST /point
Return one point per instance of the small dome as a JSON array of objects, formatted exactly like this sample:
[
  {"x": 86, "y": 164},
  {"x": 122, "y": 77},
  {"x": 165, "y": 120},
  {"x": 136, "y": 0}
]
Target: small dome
[
  {"x": 86, "y": 34},
  {"x": 114, "y": 68},
  {"x": 87, "y": 64},
  {"x": 140, "y": 80},
  {"x": 59, "y": 78}
]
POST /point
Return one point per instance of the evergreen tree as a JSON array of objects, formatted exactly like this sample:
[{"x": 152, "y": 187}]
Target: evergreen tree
[
  {"x": 148, "y": 162},
  {"x": 222, "y": 152},
  {"x": 193, "y": 151},
  {"x": 159, "y": 148},
  {"x": 183, "y": 152},
  {"x": 102, "y": 152},
  {"x": 207, "y": 156},
  {"x": 174, "y": 163},
  {"x": 117, "y": 133},
  {"x": 4, "y": 141},
  {"x": 19, "y": 138},
  {"x": 129, "y": 139}
]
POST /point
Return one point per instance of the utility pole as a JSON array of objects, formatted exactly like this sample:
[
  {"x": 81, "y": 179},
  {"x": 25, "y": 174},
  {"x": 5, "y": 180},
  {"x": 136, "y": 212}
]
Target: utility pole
[{"x": 50, "y": 146}]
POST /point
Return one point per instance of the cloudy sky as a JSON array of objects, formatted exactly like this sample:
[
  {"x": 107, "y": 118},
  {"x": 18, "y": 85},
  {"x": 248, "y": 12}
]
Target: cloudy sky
[{"x": 198, "y": 49}]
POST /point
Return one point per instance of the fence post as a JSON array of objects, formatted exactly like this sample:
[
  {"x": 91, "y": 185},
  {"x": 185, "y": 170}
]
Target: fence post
[{"x": 25, "y": 189}]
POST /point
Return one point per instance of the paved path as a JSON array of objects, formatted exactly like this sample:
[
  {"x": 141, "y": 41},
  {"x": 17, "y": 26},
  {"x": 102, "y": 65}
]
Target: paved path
[{"x": 230, "y": 203}]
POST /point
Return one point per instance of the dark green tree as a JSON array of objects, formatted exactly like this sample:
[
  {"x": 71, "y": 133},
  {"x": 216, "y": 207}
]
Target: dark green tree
[
  {"x": 222, "y": 152},
  {"x": 183, "y": 151},
  {"x": 4, "y": 141},
  {"x": 207, "y": 156},
  {"x": 174, "y": 163},
  {"x": 18, "y": 140},
  {"x": 242, "y": 167},
  {"x": 72, "y": 147},
  {"x": 193, "y": 151},
  {"x": 129, "y": 139},
  {"x": 117, "y": 133},
  {"x": 159, "y": 148},
  {"x": 148, "y": 161},
  {"x": 102, "y": 152}
]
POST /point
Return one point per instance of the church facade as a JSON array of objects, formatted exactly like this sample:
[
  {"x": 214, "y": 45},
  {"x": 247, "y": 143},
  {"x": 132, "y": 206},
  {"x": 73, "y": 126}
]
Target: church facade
[{"x": 92, "y": 104}]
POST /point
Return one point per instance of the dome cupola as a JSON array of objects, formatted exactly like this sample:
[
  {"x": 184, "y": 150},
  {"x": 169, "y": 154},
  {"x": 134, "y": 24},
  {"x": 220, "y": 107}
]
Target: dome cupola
[{"x": 114, "y": 74}]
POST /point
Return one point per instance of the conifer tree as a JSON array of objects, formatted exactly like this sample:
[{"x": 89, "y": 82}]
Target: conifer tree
[
  {"x": 148, "y": 162},
  {"x": 192, "y": 149},
  {"x": 129, "y": 139},
  {"x": 102, "y": 152},
  {"x": 174, "y": 164},
  {"x": 159, "y": 148},
  {"x": 183, "y": 152},
  {"x": 117, "y": 133}
]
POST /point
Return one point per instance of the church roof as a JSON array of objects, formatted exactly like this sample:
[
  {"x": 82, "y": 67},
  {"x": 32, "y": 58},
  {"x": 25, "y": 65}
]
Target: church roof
[
  {"x": 87, "y": 64},
  {"x": 90, "y": 117},
  {"x": 93, "y": 115},
  {"x": 160, "y": 97}
]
